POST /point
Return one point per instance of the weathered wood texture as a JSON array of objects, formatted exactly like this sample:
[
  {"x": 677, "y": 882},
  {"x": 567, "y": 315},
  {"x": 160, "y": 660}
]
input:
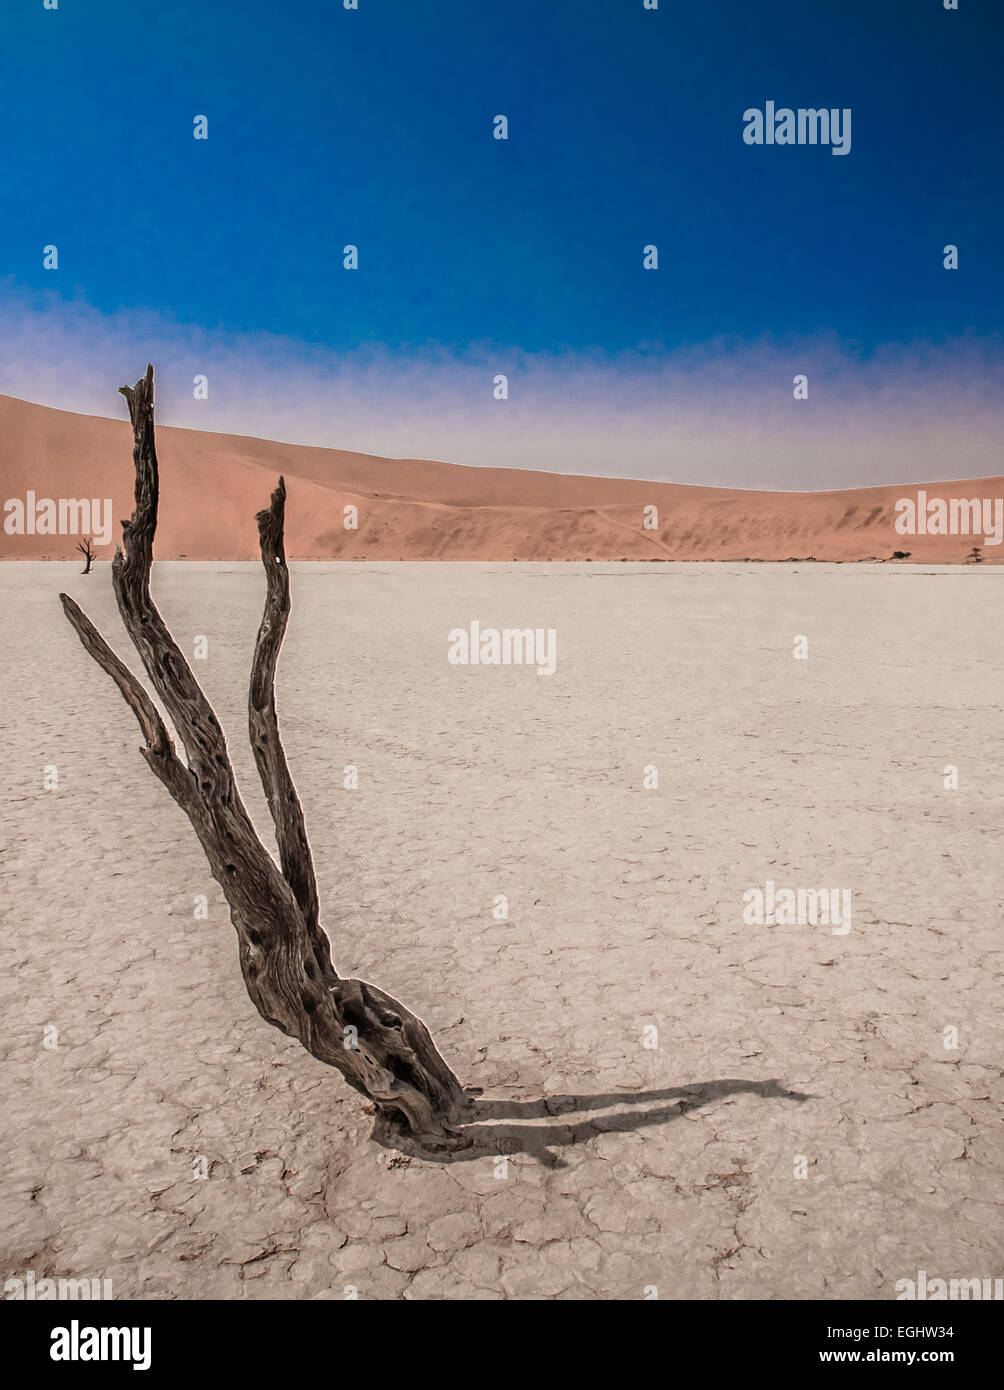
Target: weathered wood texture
[{"x": 381, "y": 1049}]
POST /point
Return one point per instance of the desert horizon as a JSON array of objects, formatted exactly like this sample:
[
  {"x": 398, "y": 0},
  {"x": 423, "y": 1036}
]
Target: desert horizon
[{"x": 422, "y": 509}]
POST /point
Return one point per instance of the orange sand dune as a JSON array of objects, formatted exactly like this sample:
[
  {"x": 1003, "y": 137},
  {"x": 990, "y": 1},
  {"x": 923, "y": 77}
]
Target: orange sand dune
[{"x": 416, "y": 509}]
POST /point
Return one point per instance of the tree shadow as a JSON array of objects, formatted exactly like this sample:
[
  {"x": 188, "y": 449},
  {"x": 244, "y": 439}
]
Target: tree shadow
[{"x": 538, "y": 1141}]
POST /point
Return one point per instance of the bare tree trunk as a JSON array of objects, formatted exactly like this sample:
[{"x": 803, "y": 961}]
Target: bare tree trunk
[
  {"x": 88, "y": 554},
  {"x": 381, "y": 1049}
]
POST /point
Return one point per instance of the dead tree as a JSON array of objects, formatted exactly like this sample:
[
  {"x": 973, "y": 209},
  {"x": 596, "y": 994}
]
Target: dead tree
[
  {"x": 87, "y": 552},
  {"x": 381, "y": 1049}
]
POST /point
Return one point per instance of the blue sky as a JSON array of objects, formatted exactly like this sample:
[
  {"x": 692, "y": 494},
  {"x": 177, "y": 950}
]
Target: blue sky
[{"x": 374, "y": 127}]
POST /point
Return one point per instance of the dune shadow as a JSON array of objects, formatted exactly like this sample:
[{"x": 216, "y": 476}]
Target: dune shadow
[{"x": 491, "y": 1136}]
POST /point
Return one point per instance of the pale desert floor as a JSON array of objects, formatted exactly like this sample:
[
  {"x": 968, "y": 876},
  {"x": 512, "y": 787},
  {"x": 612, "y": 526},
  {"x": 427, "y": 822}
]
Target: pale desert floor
[{"x": 629, "y": 1167}]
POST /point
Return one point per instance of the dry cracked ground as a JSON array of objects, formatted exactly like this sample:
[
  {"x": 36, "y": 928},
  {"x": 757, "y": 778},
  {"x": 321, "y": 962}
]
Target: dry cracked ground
[{"x": 675, "y": 1104}]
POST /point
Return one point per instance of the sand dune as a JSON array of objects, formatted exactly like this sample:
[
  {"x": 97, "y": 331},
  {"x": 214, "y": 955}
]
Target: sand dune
[{"x": 417, "y": 509}]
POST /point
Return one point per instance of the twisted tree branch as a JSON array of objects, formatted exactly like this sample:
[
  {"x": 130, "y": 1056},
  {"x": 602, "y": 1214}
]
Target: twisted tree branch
[
  {"x": 381, "y": 1049},
  {"x": 263, "y": 727}
]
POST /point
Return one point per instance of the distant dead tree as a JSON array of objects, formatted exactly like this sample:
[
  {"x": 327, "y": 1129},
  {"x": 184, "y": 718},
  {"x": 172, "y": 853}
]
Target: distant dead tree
[
  {"x": 381, "y": 1049},
  {"x": 87, "y": 551}
]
